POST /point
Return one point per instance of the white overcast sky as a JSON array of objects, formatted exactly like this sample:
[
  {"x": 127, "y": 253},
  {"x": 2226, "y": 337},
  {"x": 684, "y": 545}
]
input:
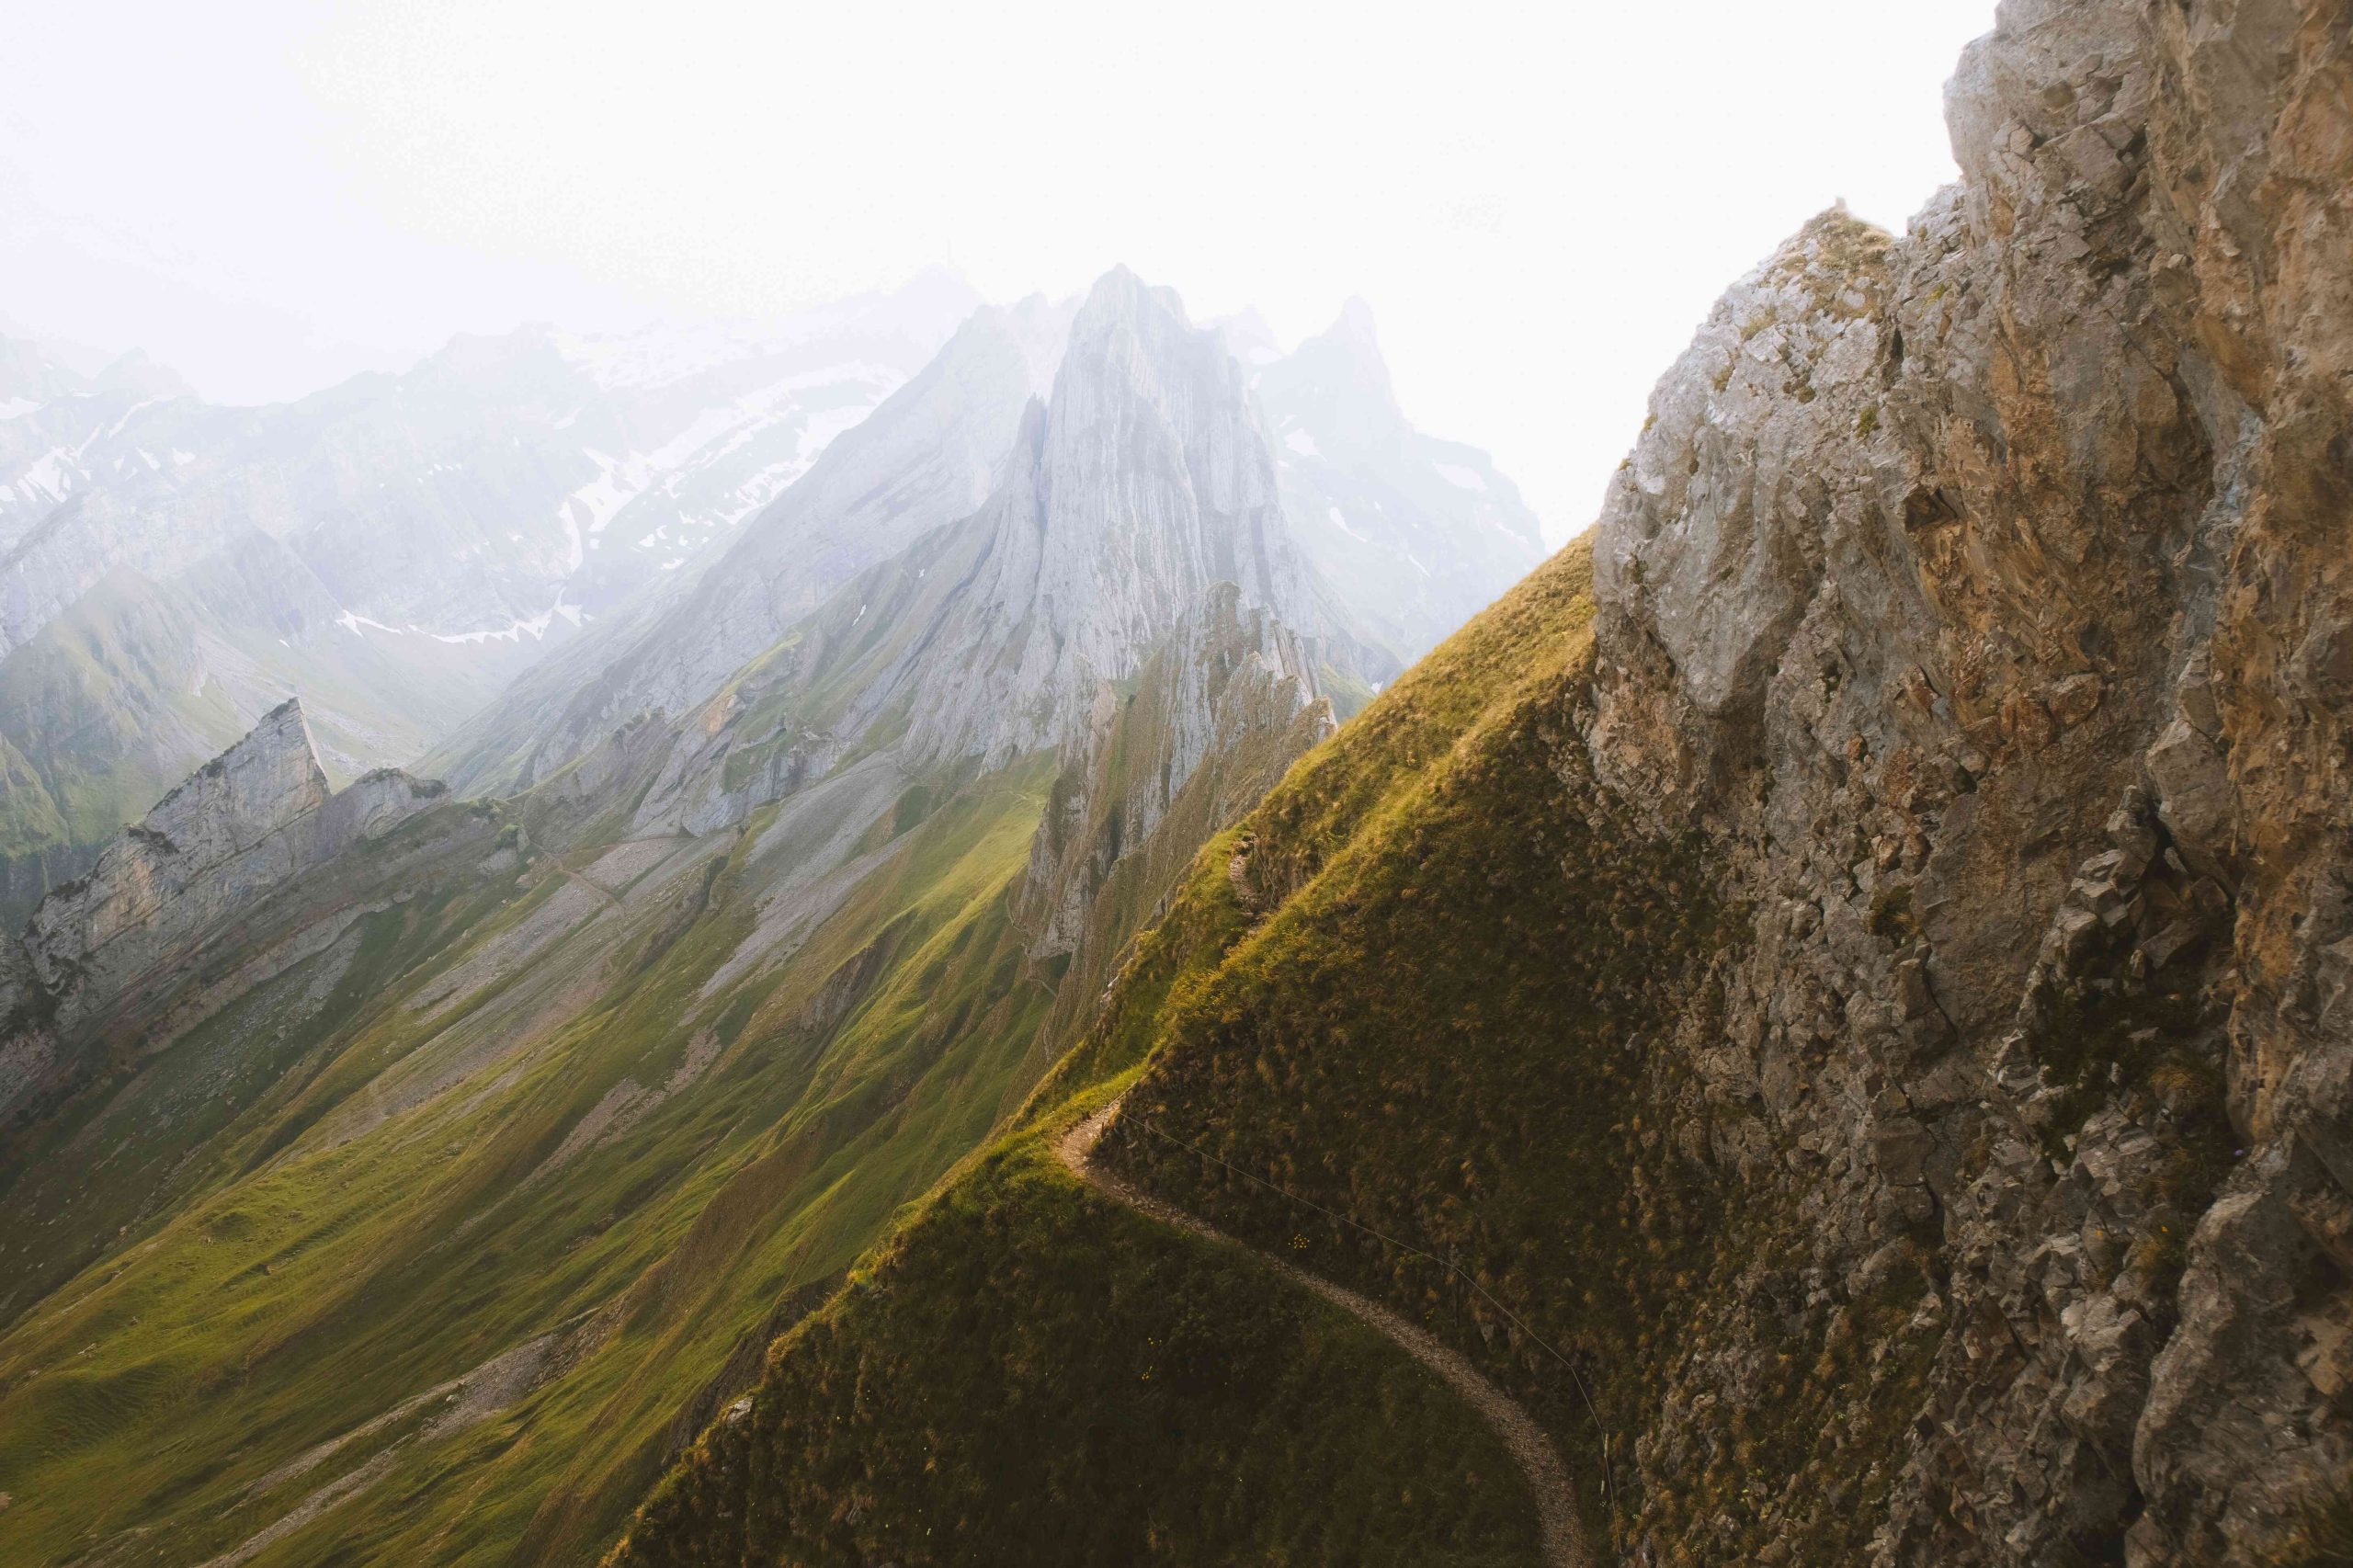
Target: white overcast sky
[{"x": 1537, "y": 202}]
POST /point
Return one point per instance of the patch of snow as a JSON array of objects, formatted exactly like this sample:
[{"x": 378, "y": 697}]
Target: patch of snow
[
  {"x": 712, "y": 434},
  {"x": 1341, "y": 523},
  {"x": 827, "y": 424},
  {"x": 15, "y": 407},
  {"x": 1303, "y": 443},
  {"x": 586, "y": 510},
  {"x": 116, "y": 430},
  {"x": 50, "y": 477},
  {"x": 352, "y": 623},
  {"x": 1461, "y": 478},
  {"x": 513, "y": 631}
]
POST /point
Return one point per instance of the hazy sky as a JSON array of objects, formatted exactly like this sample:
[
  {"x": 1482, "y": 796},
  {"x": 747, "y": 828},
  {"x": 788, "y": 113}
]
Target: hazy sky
[{"x": 1539, "y": 202}]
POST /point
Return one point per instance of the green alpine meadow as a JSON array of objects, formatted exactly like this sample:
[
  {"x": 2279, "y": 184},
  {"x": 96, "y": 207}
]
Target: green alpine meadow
[{"x": 785, "y": 907}]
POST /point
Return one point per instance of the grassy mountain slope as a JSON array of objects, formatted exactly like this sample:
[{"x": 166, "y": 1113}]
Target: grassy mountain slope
[
  {"x": 1379, "y": 992},
  {"x": 439, "y": 1243},
  {"x": 1435, "y": 1066},
  {"x": 512, "y": 1148},
  {"x": 1036, "y": 1375}
]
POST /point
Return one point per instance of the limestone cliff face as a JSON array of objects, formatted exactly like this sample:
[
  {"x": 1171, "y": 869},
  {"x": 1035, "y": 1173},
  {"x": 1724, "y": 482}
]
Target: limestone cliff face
[
  {"x": 927, "y": 457},
  {"x": 1224, "y": 678},
  {"x": 1984, "y": 593},
  {"x": 1140, "y": 492},
  {"x": 1143, "y": 483},
  {"x": 239, "y": 828}
]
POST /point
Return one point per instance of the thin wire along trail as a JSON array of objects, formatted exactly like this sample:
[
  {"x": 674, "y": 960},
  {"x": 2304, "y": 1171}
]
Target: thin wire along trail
[{"x": 1548, "y": 1479}]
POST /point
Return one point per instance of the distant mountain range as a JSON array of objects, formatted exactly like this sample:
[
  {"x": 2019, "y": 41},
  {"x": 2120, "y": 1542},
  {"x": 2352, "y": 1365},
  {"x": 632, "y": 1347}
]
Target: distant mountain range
[
  {"x": 516, "y": 537},
  {"x": 749, "y": 907},
  {"x": 394, "y": 549},
  {"x": 981, "y": 1017},
  {"x": 1424, "y": 532}
]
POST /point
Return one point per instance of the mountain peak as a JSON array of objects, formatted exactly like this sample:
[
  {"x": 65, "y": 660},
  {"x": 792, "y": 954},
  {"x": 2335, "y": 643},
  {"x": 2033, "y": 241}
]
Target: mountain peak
[
  {"x": 133, "y": 371},
  {"x": 272, "y": 774},
  {"x": 223, "y": 832},
  {"x": 1350, "y": 347},
  {"x": 1119, "y": 291},
  {"x": 238, "y": 827},
  {"x": 1354, "y": 324},
  {"x": 1140, "y": 484}
]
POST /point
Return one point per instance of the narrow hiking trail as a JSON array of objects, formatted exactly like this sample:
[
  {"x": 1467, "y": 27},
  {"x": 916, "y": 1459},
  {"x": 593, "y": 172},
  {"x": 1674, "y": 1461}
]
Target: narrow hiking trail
[{"x": 1548, "y": 1479}]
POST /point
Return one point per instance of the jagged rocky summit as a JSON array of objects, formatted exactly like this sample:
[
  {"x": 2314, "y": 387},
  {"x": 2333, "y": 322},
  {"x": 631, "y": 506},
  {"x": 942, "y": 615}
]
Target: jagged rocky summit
[
  {"x": 1421, "y": 533},
  {"x": 1984, "y": 593},
  {"x": 1121, "y": 504},
  {"x": 243, "y": 826}
]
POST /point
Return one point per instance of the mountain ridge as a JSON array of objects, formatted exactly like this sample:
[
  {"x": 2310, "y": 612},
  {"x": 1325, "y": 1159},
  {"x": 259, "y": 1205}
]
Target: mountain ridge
[
  {"x": 1860, "y": 981},
  {"x": 495, "y": 1145},
  {"x": 394, "y": 549}
]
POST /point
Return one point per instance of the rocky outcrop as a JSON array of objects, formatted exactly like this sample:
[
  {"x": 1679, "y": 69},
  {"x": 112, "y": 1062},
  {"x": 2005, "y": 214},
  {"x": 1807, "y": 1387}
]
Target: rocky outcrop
[
  {"x": 241, "y": 823},
  {"x": 242, "y": 826},
  {"x": 1982, "y": 593}
]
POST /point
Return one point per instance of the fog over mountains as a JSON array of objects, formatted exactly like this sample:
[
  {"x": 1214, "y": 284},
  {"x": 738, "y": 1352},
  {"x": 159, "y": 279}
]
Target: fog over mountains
[
  {"x": 499, "y": 554},
  {"x": 1030, "y": 933},
  {"x": 866, "y": 691}
]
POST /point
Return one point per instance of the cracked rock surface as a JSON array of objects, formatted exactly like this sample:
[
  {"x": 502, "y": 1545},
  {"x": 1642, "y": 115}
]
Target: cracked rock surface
[{"x": 1984, "y": 593}]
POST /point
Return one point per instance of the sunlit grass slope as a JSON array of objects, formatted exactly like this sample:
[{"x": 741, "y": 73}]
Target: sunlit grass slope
[
  {"x": 1438, "y": 990},
  {"x": 1030, "y": 1374},
  {"x": 450, "y": 1279},
  {"x": 1035, "y": 1375},
  {"x": 1437, "y": 1064}
]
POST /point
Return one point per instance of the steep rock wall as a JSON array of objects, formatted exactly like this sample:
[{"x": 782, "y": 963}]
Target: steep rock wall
[{"x": 1983, "y": 594}]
